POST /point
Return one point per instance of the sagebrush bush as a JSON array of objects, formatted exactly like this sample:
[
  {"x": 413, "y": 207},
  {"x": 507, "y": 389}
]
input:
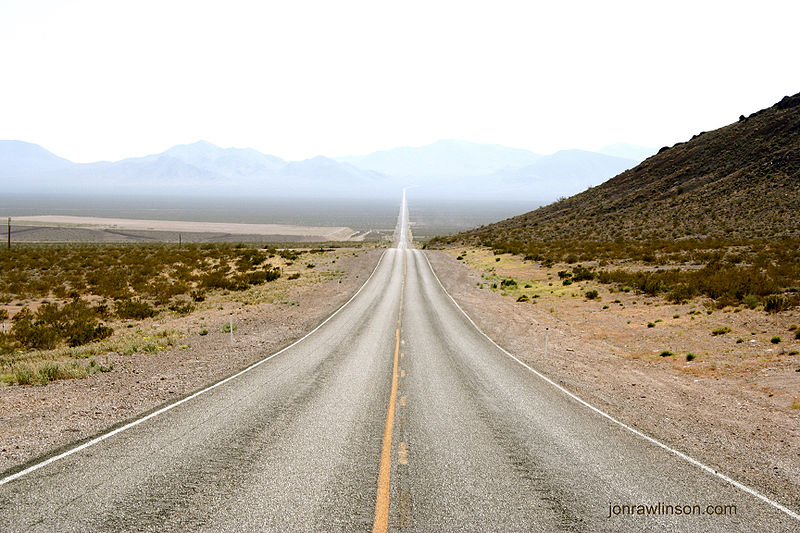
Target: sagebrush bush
[
  {"x": 75, "y": 323},
  {"x": 733, "y": 271},
  {"x": 135, "y": 309}
]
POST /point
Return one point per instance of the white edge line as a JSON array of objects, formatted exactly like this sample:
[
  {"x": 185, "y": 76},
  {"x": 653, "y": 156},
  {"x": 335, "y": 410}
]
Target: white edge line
[
  {"x": 138, "y": 421},
  {"x": 636, "y": 432}
]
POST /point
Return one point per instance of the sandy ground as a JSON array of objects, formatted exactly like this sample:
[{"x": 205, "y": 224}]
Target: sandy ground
[
  {"x": 37, "y": 420},
  {"x": 180, "y": 226},
  {"x": 730, "y": 408}
]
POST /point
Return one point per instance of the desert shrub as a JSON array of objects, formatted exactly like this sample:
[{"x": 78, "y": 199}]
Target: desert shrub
[
  {"x": 216, "y": 279},
  {"x": 567, "y": 281},
  {"x": 508, "y": 284},
  {"x": 289, "y": 255},
  {"x": 721, "y": 331},
  {"x": 47, "y": 372},
  {"x": 523, "y": 298},
  {"x": 580, "y": 273},
  {"x": 32, "y": 333},
  {"x": 751, "y": 301},
  {"x": 23, "y": 375},
  {"x": 181, "y": 307},
  {"x": 134, "y": 309},
  {"x": 592, "y": 294},
  {"x": 85, "y": 333},
  {"x": 262, "y": 276},
  {"x": 690, "y": 356},
  {"x": 75, "y": 322},
  {"x": 775, "y": 303},
  {"x": 775, "y": 340},
  {"x": 666, "y": 353},
  {"x": 294, "y": 276}
]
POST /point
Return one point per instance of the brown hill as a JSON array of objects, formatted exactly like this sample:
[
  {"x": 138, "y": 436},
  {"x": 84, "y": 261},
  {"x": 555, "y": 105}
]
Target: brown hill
[{"x": 740, "y": 181}]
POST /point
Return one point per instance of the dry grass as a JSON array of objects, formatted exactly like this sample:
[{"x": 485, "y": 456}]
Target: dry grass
[
  {"x": 621, "y": 318},
  {"x": 37, "y": 278}
]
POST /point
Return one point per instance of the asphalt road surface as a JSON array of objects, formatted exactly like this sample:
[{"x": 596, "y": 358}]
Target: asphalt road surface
[{"x": 395, "y": 414}]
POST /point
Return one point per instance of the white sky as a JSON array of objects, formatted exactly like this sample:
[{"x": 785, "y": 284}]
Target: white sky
[{"x": 93, "y": 80}]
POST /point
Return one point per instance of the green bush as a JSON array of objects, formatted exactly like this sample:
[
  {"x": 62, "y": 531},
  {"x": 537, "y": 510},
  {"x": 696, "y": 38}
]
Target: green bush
[
  {"x": 580, "y": 273},
  {"x": 86, "y": 333},
  {"x": 23, "y": 375},
  {"x": 181, "y": 307},
  {"x": 721, "y": 331},
  {"x": 751, "y": 301},
  {"x": 593, "y": 294},
  {"x": 32, "y": 333},
  {"x": 666, "y": 353},
  {"x": 775, "y": 340},
  {"x": 775, "y": 303},
  {"x": 135, "y": 309}
]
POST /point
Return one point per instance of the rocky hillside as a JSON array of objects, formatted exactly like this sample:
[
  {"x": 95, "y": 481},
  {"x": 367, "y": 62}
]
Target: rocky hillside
[{"x": 740, "y": 181}]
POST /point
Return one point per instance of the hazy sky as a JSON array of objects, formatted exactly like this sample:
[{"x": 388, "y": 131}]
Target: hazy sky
[{"x": 106, "y": 79}]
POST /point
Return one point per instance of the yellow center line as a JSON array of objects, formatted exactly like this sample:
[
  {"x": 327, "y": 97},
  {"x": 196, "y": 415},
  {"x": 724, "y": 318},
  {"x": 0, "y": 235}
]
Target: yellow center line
[{"x": 380, "y": 523}]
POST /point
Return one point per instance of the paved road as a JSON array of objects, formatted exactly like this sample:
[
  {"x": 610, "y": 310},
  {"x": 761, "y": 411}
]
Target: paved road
[{"x": 398, "y": 414}]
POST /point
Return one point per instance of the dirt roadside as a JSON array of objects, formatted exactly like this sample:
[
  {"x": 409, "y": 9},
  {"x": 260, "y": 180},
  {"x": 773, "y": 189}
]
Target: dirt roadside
[
  {"x": 35, "y": 420},
  {"x": 735, "y": 421}
]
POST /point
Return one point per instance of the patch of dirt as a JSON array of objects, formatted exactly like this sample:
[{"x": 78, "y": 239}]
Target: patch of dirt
[
  {"x": 124, "y": 224},
  {"x": 38, "y": 419},
  {"x": 730, "y": 408}
]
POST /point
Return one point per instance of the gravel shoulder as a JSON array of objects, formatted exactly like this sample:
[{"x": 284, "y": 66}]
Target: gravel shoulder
[
  {"x": 38, "y": 420},
  {"x": 736, "y": 417}
]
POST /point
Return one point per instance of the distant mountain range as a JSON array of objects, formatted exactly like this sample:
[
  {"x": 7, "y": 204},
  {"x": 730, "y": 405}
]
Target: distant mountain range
[
  {"x": 452, "y": 168},
  {"x": 739, "y": 181},
  {"x": 444, "y": 159},
  {"x": 460, "y": 169},
  {"x": 194, "y": 169}
]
